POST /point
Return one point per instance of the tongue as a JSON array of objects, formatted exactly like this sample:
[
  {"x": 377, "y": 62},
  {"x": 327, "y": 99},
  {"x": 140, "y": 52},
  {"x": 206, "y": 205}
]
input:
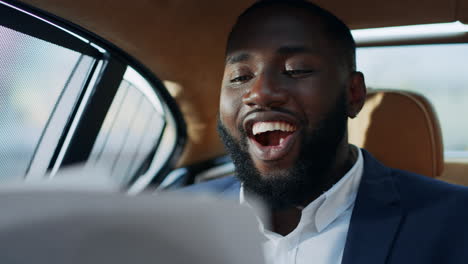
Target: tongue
[{"x": 271, "y": 138}]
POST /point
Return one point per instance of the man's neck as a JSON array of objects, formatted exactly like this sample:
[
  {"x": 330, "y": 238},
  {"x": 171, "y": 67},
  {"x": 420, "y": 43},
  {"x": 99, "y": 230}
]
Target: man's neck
[{"x": 285, "y": 221}]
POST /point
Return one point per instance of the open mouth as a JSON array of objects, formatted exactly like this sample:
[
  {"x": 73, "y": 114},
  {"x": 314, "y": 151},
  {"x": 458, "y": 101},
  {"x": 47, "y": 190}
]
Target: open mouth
[
  {"x": 272, "y": 133},
  {"x": 272, "y": 140}
]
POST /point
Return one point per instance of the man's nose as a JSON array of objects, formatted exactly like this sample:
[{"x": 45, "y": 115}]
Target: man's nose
[{"x": 265, "y": 93}]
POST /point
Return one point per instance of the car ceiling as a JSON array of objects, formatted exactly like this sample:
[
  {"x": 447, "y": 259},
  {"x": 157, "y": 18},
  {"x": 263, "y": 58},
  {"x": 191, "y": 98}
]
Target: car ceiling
[{"x": 182, "y": 41}]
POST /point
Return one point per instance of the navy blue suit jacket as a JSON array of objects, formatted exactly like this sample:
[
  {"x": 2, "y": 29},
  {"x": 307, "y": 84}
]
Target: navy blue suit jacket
[{"x": 399, "y": 217}]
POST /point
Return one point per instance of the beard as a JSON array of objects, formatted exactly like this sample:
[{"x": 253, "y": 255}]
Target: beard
[{"x": 308, "y": 177}]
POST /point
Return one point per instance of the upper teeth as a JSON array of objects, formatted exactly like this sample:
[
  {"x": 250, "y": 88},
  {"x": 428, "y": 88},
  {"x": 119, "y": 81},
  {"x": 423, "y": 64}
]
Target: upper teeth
[{"x": 261, "y": 127}]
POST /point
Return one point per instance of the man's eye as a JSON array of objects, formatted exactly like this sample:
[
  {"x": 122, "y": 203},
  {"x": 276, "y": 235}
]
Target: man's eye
[
  {"x": 298, "y": 73},
  {"x": 241, "y": 79}
]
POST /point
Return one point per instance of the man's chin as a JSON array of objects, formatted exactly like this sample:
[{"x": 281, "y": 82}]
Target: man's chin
[
  {"x": 274, "y": 189},
  {"x": 270, "y": 170}
]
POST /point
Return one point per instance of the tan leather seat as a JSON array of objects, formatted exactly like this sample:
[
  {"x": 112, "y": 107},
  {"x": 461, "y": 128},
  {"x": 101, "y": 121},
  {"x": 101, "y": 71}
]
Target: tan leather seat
[{"x": 401, "y": 129}]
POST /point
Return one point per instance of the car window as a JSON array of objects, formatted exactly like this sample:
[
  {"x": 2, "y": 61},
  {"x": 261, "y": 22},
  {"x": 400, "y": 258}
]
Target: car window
[
  {"x": 437, "y": 71},
  {"x": 68, "y": 97},
  {"x": 30, "y": 94}
]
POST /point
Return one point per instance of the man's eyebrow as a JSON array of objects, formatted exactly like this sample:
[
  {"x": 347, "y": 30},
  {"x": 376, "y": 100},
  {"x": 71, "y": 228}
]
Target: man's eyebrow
[
  {"x": 239, "y": 57},
  {"x": 287, "y": 50}
]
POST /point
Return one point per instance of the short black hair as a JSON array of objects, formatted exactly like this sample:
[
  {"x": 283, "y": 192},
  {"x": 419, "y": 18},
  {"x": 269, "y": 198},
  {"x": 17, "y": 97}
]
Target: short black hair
[{"x": 335, "y": 29}]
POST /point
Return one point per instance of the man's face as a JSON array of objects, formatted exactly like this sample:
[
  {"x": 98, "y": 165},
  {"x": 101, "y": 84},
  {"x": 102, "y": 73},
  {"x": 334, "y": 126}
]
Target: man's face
[{"x": 283, "y": 103}]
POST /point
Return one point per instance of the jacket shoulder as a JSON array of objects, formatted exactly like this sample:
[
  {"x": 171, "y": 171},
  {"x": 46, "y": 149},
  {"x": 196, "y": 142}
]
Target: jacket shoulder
[
  {"x": 412, "y": 187},
  {"x": 421, "y": 191}
]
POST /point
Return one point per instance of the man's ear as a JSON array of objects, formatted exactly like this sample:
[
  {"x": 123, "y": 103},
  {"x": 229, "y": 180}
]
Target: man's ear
[{"x": 356, "y": 93}]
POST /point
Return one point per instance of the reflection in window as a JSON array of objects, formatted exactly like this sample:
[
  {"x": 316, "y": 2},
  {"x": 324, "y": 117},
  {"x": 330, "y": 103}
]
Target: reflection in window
[
  {"x": 29, "y": 93},
  {"x": 131, "y": 130},
  {"x": 436, "y": 71}
]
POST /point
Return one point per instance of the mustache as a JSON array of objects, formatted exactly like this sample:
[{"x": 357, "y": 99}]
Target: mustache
[{"x": 269, "y": 109}]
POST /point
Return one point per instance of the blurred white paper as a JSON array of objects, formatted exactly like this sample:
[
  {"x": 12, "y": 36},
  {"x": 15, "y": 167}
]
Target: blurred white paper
[{"x": 62, "y": 227}]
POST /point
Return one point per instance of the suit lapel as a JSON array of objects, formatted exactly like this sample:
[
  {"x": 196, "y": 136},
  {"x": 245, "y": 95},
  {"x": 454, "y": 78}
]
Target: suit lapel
[{"x": 376, "y": 216}]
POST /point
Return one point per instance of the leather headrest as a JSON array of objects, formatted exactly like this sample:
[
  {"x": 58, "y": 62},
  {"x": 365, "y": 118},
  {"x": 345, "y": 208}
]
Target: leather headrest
[{"x": 401, "y": 129}]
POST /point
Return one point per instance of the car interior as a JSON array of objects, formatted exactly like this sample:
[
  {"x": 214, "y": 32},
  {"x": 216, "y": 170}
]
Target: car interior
[{"x": 132, "y": 88}]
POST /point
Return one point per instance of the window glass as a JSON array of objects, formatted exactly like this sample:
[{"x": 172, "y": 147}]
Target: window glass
[
  {"x": 67, "y": 98},
  {"x": 436, "y": 71},
  {"x": 131, "y": 130},
  {"x": 29, "y": 94}
]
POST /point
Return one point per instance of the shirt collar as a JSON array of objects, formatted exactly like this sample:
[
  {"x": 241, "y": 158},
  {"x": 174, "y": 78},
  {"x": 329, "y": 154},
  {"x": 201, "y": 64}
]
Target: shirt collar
[
  {"x": 331, "y": 204},
  {"x": 338, "y": 198}
]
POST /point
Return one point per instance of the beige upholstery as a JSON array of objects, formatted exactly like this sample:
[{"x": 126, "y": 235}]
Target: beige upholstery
[
  {"x": 456, "y": 172},
  {"x": 400, "y": 129}
]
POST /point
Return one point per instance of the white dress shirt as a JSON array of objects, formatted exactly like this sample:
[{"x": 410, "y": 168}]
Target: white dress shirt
[{"x": 321, "y": 233}]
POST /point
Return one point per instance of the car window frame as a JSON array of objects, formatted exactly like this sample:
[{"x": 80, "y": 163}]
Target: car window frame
[{"x": 108, "y": 70}]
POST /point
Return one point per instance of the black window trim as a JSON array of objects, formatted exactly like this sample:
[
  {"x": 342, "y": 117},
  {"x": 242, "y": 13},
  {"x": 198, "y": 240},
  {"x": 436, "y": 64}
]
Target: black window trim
[
  {"x": 81, "y": 144},
  {"x": 21, "y": 21},
  {"x": 75, "y": 118},
  {"x": 59, "y": 118}
]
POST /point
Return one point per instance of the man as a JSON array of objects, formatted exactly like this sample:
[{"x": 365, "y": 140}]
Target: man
[{"x": 289, "y": 85}]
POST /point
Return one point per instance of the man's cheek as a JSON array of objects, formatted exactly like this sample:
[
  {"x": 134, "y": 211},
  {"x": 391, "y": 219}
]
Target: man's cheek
[{"x": 229, "y": 108}]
